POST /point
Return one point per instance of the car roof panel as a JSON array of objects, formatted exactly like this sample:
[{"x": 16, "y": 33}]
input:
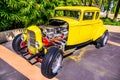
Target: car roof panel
[{"x": 76, "y": 8}]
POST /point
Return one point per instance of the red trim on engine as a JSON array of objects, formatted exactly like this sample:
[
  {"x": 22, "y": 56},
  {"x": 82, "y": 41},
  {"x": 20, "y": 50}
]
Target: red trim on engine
[{"x": 45, "y": 41}]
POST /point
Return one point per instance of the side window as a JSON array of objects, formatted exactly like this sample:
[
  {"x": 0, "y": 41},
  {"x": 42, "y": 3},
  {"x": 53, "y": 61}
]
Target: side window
[
  {"x": 97, "y": 15},
  {"x": 88, "y": 15}
]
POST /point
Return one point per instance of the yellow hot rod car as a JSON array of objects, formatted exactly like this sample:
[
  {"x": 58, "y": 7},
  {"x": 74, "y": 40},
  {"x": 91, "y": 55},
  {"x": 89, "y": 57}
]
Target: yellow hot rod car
[{"x": 72, "y": 27}]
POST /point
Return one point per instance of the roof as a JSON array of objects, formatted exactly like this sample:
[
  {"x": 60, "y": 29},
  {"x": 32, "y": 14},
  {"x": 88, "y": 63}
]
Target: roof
[{"x": 76, "y": 8}]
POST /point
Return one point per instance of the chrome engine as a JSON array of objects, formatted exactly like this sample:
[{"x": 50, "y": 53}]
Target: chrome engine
[
  {"x": 55, "y": 31},
  {"x": 56, "y": 35}
]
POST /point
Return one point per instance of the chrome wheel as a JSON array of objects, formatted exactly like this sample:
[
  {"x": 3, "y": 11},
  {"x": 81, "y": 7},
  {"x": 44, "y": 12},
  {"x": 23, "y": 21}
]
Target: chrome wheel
[
  {"x": 105, "y": 40},
  {"x": 57, "y": 64},
  {"x": 52, "y": 62}
]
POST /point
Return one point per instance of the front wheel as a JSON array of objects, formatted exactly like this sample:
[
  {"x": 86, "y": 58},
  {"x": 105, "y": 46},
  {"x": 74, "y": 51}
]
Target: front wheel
[
  {"x": 102, "y": 41},
  {"x": 52, "y": 62},
  {"x": 18, "y": 45}
]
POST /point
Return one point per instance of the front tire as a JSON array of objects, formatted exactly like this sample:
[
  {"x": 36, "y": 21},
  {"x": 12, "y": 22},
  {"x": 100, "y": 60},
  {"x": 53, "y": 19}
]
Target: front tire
[
  {"x": 17, "y": 45},
  {"x": 52, "y": 62}
]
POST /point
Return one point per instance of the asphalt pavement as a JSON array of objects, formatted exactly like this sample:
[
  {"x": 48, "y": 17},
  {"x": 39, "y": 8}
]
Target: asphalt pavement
[{"x": 90, "y": 63}]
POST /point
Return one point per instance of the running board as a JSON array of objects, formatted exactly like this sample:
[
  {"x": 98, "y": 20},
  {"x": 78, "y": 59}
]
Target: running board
[{"x": 75, "y": 47}]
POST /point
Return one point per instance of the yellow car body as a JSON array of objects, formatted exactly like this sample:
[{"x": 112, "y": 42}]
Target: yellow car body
[
  {"x": 71, "y": 28},
  {"x": 80, "y": 30}
]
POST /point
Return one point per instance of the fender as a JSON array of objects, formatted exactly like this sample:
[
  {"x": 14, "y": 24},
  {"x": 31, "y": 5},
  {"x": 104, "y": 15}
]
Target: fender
[
  {"x": 24, "y": 35},
  {"x": 98, "y": 33}
]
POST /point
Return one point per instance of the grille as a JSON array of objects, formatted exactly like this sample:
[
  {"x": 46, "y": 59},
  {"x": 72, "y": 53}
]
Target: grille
[{"x": 31, "y": 38}]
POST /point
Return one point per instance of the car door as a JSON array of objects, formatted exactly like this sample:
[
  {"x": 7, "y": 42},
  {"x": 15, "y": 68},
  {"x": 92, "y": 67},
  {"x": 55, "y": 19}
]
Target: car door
[
  {"x": 81, "y": 32},
  {"x": 87, "y": 26}
]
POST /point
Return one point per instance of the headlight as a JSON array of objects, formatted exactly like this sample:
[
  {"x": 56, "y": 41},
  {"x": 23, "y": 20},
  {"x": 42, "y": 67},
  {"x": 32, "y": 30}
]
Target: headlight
[{"x": 36, "y": 44}]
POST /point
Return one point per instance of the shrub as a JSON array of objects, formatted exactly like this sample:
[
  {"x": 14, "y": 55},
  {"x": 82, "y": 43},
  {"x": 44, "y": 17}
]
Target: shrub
[{"x": 109, "y": 21}]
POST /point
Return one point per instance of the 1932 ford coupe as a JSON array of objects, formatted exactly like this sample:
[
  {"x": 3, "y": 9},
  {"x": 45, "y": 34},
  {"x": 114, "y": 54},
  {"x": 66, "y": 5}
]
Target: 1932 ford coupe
[{"x": 72, "y": 27}]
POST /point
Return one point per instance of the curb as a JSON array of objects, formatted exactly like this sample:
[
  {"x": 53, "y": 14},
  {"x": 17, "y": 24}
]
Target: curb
[
  {"x": 6, "y": 36},
  {"x": 112, "y": 28}
]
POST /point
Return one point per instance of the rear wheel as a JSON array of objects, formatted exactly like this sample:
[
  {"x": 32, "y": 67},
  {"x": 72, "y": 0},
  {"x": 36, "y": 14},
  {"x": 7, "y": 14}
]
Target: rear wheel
[
  {"x": 102, "y": 41},
  {"x": 52, "y": 62},
  {"x": 18, "y": 45}
]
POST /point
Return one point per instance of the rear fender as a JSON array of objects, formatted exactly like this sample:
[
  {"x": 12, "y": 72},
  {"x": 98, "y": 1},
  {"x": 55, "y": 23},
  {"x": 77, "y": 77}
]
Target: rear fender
[{"x": 99, "y": 33}]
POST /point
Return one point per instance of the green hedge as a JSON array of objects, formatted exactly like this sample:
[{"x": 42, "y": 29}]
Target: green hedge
[
  {"x": 109, "y": 21},
  {"x": 22, "y": 13}
]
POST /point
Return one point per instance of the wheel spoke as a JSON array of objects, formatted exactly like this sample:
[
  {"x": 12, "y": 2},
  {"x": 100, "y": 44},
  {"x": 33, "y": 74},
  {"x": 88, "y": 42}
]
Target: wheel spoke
[
  {"x": 105, "y": 40},
  {"x": 57, "y": 64}
]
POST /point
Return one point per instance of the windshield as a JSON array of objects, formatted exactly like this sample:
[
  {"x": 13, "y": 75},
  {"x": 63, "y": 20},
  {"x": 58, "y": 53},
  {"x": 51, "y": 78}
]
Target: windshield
[{"x": 68, "y": 13}]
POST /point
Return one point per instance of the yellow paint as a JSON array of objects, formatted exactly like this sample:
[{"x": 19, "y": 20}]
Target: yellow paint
[
  {"x": 113, "y": 43},
  {"x": 76, "y": 8},
  {"x": 78, "y": 58},
  {"x": 81, "y": 54},
  {"x": 45, "y": 51},
  {"x": 98, "y": 32},
  {"x": 25, "y": 36},
  {"x": 81, "y": 30},
  {"x": 38, "y": 38}
]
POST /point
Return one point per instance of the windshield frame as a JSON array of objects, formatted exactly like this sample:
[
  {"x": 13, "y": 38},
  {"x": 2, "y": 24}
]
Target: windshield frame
[{"x": 79, "y": 13}]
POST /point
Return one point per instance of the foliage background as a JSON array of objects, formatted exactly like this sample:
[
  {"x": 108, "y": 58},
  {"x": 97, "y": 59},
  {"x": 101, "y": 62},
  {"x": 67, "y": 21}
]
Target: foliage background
[{"x": 22, "y": 13}]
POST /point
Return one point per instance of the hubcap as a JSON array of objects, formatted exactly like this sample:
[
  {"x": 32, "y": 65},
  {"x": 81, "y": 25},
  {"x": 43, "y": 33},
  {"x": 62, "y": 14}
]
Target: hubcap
[{"x": 57, "y": 64}]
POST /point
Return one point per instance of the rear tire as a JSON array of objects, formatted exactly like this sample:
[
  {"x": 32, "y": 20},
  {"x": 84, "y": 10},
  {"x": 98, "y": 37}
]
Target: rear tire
[
  {"x": 102, "y": 41},
  {"x": 52, "y": 62}
]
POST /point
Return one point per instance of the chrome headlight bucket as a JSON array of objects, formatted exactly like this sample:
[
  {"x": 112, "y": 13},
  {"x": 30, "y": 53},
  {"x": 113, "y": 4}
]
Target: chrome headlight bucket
[{"x": 37, "y": 45}]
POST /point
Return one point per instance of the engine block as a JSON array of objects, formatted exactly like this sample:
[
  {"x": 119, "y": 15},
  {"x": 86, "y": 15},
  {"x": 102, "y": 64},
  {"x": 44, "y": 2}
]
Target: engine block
[{"x": 55, "y": 35}]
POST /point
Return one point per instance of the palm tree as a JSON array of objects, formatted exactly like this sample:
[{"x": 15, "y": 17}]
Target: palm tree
[
  {"x": 90, "y": 2},
  {"x": 82, "y": 2},
  {"x": 102, "y": 5},
  {"x": 108, "y": 8},
  {"x": 117, "y": 10},
  {"x": 85, "y": 3}
]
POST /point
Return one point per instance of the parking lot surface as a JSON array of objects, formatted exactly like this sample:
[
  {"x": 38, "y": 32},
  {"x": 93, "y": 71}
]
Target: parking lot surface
[{"x": 90, "y": 63}]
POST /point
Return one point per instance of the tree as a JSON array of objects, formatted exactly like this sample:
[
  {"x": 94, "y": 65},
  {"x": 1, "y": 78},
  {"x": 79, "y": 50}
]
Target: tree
[
  {"x": 21, "y": 13},
  {"x": 85, "y": 3},
  {"x": 90, "y": 2},
  {"x": 72, "y": 2},
  {"x": 117, "y": 10},
  {"x": 108, "y": 8}
]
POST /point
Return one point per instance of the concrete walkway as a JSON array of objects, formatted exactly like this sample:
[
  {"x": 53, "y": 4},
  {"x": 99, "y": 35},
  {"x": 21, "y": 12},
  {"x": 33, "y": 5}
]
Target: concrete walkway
[
  {"x": 91, "y": 65},
  {"x": 30, "y": 71},
  {"x": 113, "y": 28}
]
